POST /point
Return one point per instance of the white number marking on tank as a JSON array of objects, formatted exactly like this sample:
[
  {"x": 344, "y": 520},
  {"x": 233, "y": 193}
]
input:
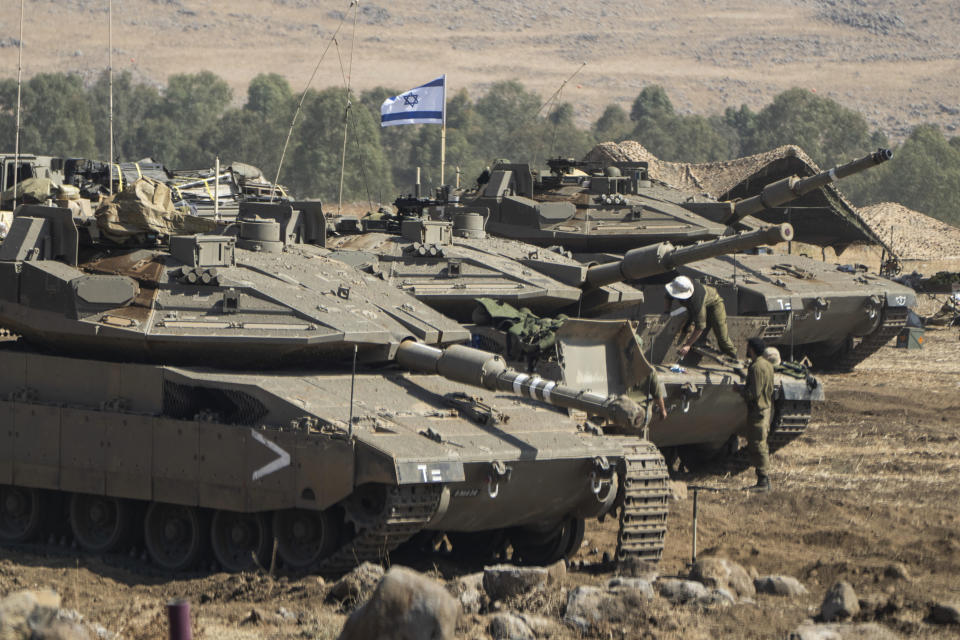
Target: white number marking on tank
[
  {"x": 901, "y": 300},
  {"x": 272, "y": 467},
  {"x": 435, "y": 475},
  {"x": 784, "y": 305},
  {"x": 518, "y": 383}
]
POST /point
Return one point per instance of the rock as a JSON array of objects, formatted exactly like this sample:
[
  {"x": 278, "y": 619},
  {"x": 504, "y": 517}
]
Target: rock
[
  {"x": 840, "y": 603},
  {"x": 557, "y": 572},
  {"x": 634, "y": 567},
  {"x": 356, "y": 586},
  {"x": 679, "y": 591},
  {"x": 897, "y": 571},
  {"x": 468, "y": 590},
  {"x": 542, "y": 626},
  {"x": 945, "y": 613},
  {"x": 405, "y": 606},
  {"x": 619, "y": 582},
  {"x": 254, "y": 617},
  {"x": 722, "y": 573},
  {"x": 678, "y": 491},
  {"x": 286, "y": 615},
  {"x": 589, "y": 606},
  {"x": 845, "y": 631},
  {"x": 24, "y": 612},
  {"x": 780, "y": 586},
  {"x": 504, "y": 580},
  {"x": 507, "y": 626}
]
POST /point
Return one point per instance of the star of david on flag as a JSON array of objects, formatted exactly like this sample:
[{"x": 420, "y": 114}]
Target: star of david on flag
[{"x": 425, "y": 104}]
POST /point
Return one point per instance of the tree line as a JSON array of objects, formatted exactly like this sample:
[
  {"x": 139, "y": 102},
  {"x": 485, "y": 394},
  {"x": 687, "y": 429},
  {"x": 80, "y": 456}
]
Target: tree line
[{"x": 190, "y": 120}]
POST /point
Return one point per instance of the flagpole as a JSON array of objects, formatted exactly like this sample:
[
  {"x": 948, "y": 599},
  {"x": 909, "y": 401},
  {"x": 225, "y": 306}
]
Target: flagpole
[{"x": 443, "y": 132}]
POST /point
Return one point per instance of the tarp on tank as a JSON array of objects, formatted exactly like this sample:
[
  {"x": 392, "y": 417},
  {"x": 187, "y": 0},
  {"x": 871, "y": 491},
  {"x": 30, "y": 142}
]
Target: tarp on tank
[
  {"x": 145, "y": 207},
  {"x": 822, "y": 217}
]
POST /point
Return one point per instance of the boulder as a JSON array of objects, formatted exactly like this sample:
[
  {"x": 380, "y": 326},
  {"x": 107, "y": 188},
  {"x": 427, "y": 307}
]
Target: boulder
[
  {"x": 507, "y": 626},
  {"x": 406, "y": 605},
  {"x": 557, "y": 571},
  {"x": 468, "y": 590},
  {"x": 679, "y": 591},
  {"x": 843, "y": 631},
  {"x": 780, "y": 586},
  {"x": 722, "y": 573},
  {"x": 619, "y": 582},
  {"x": 504, "y": 581},
  {"x": 542, "y": 626},
  {"x": 24, "y": 611},
  {"x": 588, "y": 606},
  {"x": 945, "y": 613},
  {"x": 634, "y": 567},
  {"x": 356, "y": 586},
  {"x": 839, "y": 603}
]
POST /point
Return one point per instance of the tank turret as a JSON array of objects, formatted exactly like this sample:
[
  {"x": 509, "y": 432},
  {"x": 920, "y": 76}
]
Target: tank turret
[
  {"x": 783, "y": 191},
  {"x": 648, "y": 261}
]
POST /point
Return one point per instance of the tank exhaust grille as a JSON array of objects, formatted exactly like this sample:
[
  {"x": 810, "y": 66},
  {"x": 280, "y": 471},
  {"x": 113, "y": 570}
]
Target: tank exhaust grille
[{"x": 228, "y": 406}]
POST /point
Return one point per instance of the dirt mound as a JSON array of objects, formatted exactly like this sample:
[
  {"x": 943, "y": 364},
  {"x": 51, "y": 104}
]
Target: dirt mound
[{"x": 911, "y": 234}]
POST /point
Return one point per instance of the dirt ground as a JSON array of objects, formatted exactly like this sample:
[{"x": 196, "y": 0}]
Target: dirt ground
[{"x": 875, "y": 481}]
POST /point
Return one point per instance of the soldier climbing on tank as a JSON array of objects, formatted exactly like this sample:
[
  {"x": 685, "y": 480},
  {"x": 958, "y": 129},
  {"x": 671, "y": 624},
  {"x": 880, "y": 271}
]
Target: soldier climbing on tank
[
  {"x": 658, "y": 392},
  {"x": 758, "y": 393},
  {"x": 705, "y": 310}
]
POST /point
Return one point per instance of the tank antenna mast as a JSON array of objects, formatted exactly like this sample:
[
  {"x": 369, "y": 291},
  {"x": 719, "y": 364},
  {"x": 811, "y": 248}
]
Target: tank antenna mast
[
  {"x": 16, "y": 139},
  {"x": 346, "y": 109},
  {"x": 303, "y": 96},
  {"x": 110, "y": 154}
]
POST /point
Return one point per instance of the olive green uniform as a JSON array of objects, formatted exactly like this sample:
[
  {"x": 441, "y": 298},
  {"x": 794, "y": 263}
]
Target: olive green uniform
[
  {"x": 758, "y": 392},
  {"x": 713, "y": 315}
]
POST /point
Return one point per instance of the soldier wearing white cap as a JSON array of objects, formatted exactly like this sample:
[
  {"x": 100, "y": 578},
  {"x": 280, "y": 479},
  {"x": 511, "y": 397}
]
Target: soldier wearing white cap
[{"x": 705, "y": 310}]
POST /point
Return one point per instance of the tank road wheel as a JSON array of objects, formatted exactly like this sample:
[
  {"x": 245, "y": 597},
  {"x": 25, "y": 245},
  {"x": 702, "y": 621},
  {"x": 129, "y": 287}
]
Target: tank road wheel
[
  {"x": 20, "y": 514},
  {"x": 99, "y": 523},
  {"x": 238, "y": 538},
  {"x": 174, "y": 535},
  {"x": 541, "y": 546},
  {"x": 304, "y": 537}
]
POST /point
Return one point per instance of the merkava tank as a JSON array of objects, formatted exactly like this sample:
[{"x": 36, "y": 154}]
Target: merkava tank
[
  {"x": 421, "y": 254},
  {"x": 237, "y": 388},
  {"x": 450, "y": 263},
  {"x": 601, "y": 211}
]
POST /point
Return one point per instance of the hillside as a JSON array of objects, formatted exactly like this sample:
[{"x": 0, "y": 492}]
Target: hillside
[{"x": 897, "y": 62}]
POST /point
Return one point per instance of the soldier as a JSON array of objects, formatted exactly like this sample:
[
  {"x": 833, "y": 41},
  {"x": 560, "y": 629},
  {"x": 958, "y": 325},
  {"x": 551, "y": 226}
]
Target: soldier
[
  {"x": 705, "y": 309},
  {"x": 758, "y": 392}
]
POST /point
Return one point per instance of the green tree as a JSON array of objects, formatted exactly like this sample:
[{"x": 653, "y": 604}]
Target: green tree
[
  {"x": 613, "y": 125},
  {"x": 54, "y": 116},
  {"x": 131, "y": 103},
  {"x": 924, "y": 175},
  {"x": 829, "y": 132},
  {"x": 315, "y": 162}
]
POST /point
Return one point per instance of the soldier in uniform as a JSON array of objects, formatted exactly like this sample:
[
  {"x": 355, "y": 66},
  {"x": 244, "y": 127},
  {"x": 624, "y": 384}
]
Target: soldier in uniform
[
  {"x": 758, "y": 392},
  {"x": 705, "y": 310}
]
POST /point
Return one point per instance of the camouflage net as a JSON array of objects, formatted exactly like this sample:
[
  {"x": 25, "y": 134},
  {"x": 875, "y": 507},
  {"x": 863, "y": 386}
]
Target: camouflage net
[{"x": 535, "y": 336}]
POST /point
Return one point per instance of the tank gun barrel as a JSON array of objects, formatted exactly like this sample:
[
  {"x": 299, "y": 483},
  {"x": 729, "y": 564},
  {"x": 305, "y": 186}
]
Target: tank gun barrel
[
  {"x": 783, "y": 191},
  {"x": 648, "y": 261},
  {"x": 489, "y": 371}
]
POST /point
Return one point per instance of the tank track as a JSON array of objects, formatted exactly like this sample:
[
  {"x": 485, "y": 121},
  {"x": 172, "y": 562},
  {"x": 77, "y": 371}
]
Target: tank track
[
  {"x": 789, "y": 423},
  {"x": 407, "y": 511},
  {"x": 643, "y": 500},
  {"x": 894, "y": 320}
]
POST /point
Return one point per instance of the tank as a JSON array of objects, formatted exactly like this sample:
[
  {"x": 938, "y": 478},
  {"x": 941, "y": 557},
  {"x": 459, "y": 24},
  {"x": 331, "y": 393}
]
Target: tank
[
  {"x": 239, "y": 390},
  {"x": 837, "y": 317},
  {"x": 444, "y": 266}
]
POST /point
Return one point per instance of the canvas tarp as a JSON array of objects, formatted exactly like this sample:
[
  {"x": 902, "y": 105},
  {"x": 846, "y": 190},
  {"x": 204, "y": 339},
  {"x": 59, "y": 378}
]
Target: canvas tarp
[{"x": 145, "y": 207}]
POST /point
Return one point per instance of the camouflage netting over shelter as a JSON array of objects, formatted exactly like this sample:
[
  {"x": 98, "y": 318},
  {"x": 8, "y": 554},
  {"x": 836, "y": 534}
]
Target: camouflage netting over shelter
[
  {"x": 823, "y": 217},
  {"x": 911, "y": 234},
  {"x": 145, "y": 207}
]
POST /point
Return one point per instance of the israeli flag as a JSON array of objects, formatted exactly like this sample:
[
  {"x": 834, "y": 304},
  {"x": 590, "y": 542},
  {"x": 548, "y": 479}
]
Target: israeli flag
[{"x": 426, "y": 104}]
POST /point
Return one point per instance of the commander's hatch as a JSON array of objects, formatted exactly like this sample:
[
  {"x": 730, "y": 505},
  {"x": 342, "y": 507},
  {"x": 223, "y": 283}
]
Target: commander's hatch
[{"x": 604, "y": 356}]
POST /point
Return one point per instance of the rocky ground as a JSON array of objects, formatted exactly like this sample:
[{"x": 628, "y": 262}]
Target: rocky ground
[
  {"x": 870, "y": 497},
  {"x": 895, "y": 61}
]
